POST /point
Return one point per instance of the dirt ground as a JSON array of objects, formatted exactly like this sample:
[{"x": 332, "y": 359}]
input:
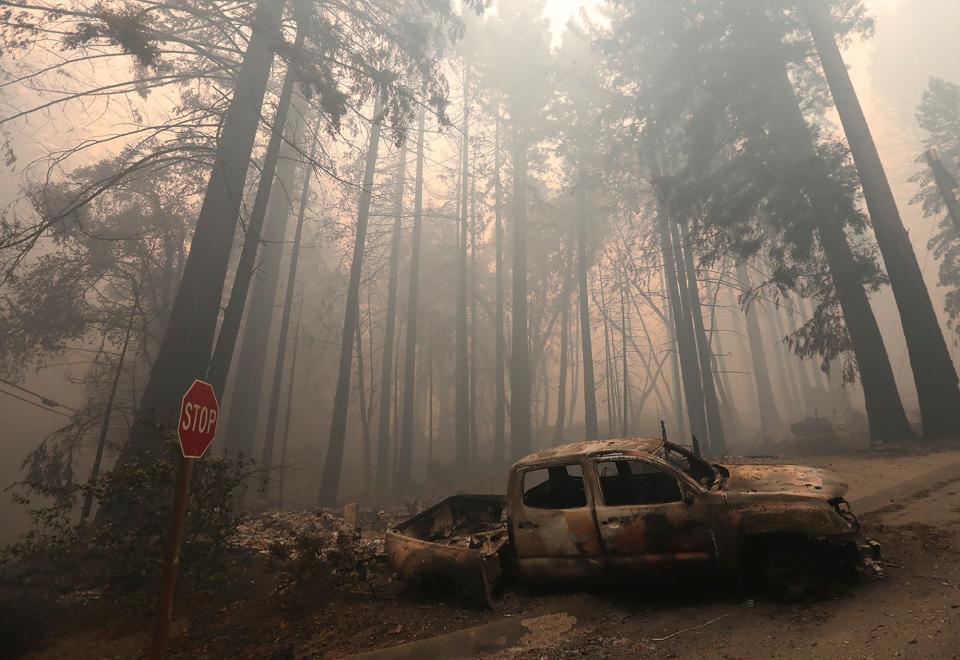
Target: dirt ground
[{"x": 913, "y": 612}]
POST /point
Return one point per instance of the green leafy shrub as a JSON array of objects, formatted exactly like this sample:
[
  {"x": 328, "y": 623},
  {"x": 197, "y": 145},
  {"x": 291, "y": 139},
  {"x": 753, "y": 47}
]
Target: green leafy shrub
[{"x": 127, "y": 541}]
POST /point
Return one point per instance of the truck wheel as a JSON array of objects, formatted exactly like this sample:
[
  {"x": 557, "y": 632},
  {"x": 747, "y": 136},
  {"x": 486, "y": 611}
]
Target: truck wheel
[{"x": 794, "y": 574}]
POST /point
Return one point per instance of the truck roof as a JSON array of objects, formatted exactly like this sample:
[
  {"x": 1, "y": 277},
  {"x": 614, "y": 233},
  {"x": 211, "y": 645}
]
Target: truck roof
[{"x": 590, "y": 447}]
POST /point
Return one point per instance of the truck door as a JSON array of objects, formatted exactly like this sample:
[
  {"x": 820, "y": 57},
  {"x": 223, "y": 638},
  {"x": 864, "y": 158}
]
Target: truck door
[
  {"x": 552, "y": 523},
  {"x": 648, "y": 520}
]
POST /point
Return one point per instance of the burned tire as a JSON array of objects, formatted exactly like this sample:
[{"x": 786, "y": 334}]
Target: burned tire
[{"x": 794, "y": 574}]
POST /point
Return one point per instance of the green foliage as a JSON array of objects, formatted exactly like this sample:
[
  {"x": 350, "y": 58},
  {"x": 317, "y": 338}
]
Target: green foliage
[
  {"x": 125, "y": 546},
  {"x": 939, "y": 116}
]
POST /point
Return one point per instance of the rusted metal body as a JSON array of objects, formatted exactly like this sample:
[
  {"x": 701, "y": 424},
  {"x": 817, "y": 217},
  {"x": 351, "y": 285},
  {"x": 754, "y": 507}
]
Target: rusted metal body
[
  {"x": 458, "y": 540},
  {"x": 630, "y": 508}
]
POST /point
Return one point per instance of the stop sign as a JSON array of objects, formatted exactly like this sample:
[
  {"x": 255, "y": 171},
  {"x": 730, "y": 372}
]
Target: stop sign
[{"x": 198, "y": 419}]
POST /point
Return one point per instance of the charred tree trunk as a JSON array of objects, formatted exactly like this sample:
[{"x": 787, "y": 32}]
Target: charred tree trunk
[
  {"x": 545, "y": 420},
  {"x": 607, "y": 356},
  {"x": 410, "y": 367},
  {"x": 591, "y": 429},
  {"x": 365, "y": 399},
  {"x": 562, "y": 380},
  {"x": 787, "y": 387},
  {"x": 770, "y": 423},
  {"x": 677, "y": 379},
  {"x": 520, "y": 346},
  {"x": 575, "y": 373},
  {"x": 274, "y": 409},
  {"x": 281, "y": 481},
  {"x": 807, "y": 390},
  {"x": 386, "y": 367},
  {"x": 105, "y": 424},
  {"x": 333, "y": 463},
  {"x": 933, "y": 370},
  {"x": 365, "y": 411},
  {"x": 461, "y": 366},
  {"x": 716, "y": 443},
  {"x": 686, "y": 346},
  {"x": 184, "y": 351},
  {"x": 623, "y": 337},
  {"x": 474, "y": 454},
  {"x": 787, "y": 374},
  {"x": 887, "y": 419},
  {"x": 272, "y": 204},
  {"x": 500, "y": 413}
]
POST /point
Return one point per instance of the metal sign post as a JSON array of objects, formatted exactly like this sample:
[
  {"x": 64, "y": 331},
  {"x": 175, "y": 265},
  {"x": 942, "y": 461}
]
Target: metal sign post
[{"x": 196, "y": 429}]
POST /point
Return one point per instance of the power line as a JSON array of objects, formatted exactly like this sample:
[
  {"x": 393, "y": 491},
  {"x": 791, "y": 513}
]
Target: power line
[
  {"x": 46, "y": 401},
  {"x": 34, "y": 403}
]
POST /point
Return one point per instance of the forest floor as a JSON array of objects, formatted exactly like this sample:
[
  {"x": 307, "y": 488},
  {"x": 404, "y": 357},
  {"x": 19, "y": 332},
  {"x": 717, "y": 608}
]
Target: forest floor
[{"x": 275, "y": 606}]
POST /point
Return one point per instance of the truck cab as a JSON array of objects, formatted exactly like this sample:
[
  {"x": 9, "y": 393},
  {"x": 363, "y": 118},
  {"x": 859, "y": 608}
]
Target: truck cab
[{"x": 613, "y": 507}]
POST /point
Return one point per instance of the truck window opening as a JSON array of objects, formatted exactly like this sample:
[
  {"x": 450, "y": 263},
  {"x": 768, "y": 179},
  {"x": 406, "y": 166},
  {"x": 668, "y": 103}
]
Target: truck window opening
[
  {"x": 635, "y": 482},
  {"x": 554, "y": 487}
]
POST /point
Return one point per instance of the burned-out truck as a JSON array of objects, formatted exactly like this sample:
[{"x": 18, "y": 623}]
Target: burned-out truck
[{"x": 634, "y": 509}]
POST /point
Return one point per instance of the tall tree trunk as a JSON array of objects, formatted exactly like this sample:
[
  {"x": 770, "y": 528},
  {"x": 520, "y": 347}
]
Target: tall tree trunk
[
  {"x": 274, "y": 410},
  {"x": 396, "y": 409},
  {"x": 607, "y": 356},
  {"x": 545, "y": 420},
  {"x": 677, "y": 379},
  {"x": 808, "y": 392},
  {"x": 716, "y": 443},
  {"x": 885, "y": 414},
  {"x": 686, "y": 346},
  {"x": 933, "y": 370},
  {"x": 474, "y": 456},
  {"x": 429, "y": 409},
  {"x": 718, "y": 362},
  {"x": 591, "y": 429},
  {"x": 787, "y": 387},
  {"x": 500, "y": 413},
  {"x": 562, "y": 382},
  {"x": 820, "y": 381},
  {"x": 413, "y": 298},
  {"x": 105, "y": 423},
  {"x": 365, "y": 412},
  {"x": 461, "y": 366},
  {"x": 333, "y": 463},
  {"x": 281, "y": 485},
  {"x": 184, "y": 351},
  {"x": 783, "y": 358},
  {"x": 386, "y": 365},
  {"x": 724, "y": 390},
  {"x": 575, "y": 375},
  {"x": 770, "y": 423},
  {"x": 520, "y": 346},
  {"x": 623, "y": 336},
  {"x": 274, "y": 206}
]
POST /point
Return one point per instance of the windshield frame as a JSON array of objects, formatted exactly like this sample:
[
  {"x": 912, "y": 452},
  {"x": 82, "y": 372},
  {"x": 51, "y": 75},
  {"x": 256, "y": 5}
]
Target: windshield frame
[{"x": 707, "y": 475}]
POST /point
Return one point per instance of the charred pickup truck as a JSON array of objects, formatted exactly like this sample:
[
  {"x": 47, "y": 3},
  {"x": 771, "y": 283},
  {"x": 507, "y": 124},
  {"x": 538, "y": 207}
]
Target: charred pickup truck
[{"x": 635, "y": 508}]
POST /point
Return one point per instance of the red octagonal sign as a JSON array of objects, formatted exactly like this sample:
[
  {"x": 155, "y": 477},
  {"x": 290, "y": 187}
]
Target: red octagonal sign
[{"x": 198, "y": 419}]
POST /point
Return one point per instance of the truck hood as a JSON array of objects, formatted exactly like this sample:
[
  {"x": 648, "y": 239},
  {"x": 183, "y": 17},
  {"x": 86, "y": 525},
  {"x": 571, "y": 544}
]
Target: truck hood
[{"x": 797, "y": 480}]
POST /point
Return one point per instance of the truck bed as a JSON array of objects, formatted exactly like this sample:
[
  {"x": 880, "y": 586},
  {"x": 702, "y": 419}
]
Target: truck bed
[{"x": 459, "y": 540}]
